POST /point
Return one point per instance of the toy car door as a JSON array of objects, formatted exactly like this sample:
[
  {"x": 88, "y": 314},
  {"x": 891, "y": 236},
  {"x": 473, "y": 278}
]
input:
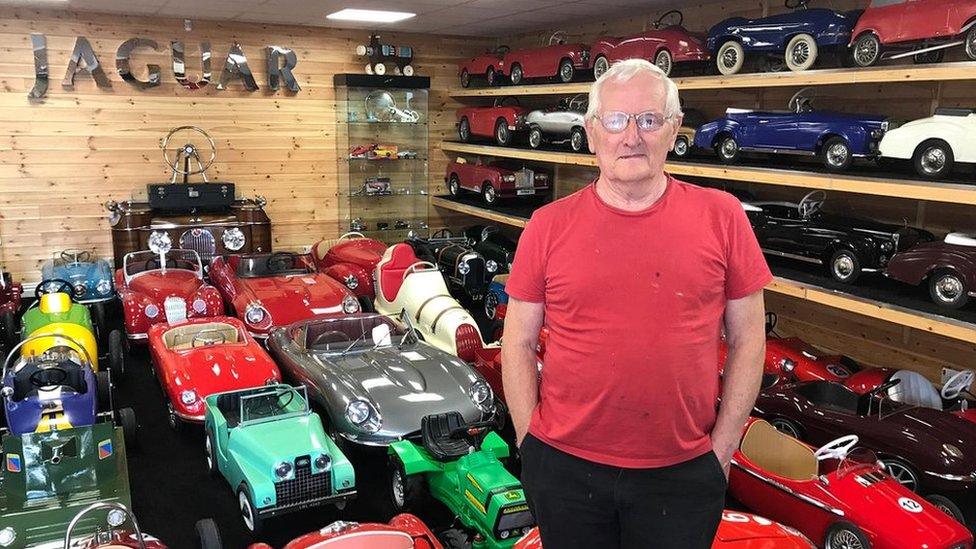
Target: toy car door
[
  {"x": 631, "y": 47},
  {"x": 925, "y": 18},
  {"x": 777, "y": 131},
  {"x": 483, "y": 121}
]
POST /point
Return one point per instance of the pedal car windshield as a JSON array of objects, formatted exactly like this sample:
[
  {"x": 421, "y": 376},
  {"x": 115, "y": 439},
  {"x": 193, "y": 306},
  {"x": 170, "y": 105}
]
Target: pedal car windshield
[
  {"x": 276, "y": 264},
  {"x": 858, "y": 460},
  {"x": 273, "y": 404},
  {"x": 145, "y": 261},
  {"x": 355, "y": 333}
]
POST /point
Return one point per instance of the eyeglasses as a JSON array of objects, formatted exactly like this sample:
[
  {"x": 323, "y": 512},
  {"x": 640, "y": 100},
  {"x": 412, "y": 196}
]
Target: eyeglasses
[{"x": 649, "y": 121}]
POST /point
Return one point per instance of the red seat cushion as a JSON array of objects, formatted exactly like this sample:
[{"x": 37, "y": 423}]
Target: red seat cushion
[{"x": 391, "y": 272}]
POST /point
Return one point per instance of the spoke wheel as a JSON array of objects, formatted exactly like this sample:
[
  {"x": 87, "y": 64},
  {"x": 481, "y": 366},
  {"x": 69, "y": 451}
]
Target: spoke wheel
[
  {"x": 901, "y": 472},
  {"x": 663, "y": 61},
  {"x": 730, "y": 58},
  {"x": 502, "y": 134},
  {"x": 566, "y": 71},
  {"x": 867, "y": 49},
  {"x": 786, "y": 426},
  {"x": 535, "y": 137},
  {"x": 837, "y": 154},
  {"x": 465, "y": 79},
  {"x": 600, "y": 66},
  {"x": 577, "y": 140},
  {"x": 489, "y": 194},
  {"x": 801, "y": 52},
  {"x": 971, "y": 43}
]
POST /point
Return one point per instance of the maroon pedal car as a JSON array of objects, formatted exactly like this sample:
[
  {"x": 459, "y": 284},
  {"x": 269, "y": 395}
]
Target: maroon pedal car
[
  {"x": 351, "y": 259},
  {"x": 557, "y": 60},
  {"x": 948, "y": 267},
  {"x": 664, "y": 44},
  {"x": 270, "y": 290},
  {"x": 495, "y": 180},
  {"x": 484, "y": 66},
  {"x": 501, "y": 121}
]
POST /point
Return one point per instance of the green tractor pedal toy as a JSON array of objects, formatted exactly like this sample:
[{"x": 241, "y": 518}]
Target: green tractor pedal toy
[{"x": 460, "y": 464}]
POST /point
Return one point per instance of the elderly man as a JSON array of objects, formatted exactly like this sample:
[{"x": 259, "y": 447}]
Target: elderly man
[{"x": 624, "y": 441}]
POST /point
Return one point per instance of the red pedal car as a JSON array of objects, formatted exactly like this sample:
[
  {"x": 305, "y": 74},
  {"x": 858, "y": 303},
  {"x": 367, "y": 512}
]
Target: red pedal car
[
  {"x": 501, "y": 121},
  {"x": 665, "y": 44},
  {"x": 557, "y": 60},
  {"x": 277, "y": 289},
  {"x": 835, "y": 496},
  {"x": 488, "y": 362},
  {"x": 163, "y": 285},
  {"x": 202, "y": 356},
  {"x": 496, "y": 180},
  {"x": 484, "y": 66},
  {"x": 351, "y": 259},
  {"x": 922, "y": 29},
  {"x": 404, "y": 531}
]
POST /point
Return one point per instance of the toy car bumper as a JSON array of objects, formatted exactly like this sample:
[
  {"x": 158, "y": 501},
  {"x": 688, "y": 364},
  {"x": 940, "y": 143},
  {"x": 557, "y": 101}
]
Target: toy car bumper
[
  {"x": 510, "y": 192},
  {"x": 949, "y": 482},
  {"x": 137, "y": 337},
  {"x": 338, "y": 497}
]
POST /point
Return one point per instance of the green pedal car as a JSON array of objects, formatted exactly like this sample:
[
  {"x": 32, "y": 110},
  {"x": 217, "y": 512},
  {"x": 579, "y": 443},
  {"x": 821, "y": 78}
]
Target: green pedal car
[
  {"x": 459, "y": 464},
  {"x": 274, "y": 453}
]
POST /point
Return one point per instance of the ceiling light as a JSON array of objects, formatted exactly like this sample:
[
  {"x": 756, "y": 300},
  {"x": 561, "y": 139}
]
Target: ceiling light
[{"x": 370, "y": 16}]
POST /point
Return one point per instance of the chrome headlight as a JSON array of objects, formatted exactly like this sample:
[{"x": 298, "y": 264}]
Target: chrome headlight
[
  {"x": 491, "y": 265},
  {"x": 254, "y": 313},
  {"x": 351, "y": 282},
  {"x": 80, "y": 289},
  {"x": 952, "y": 450},
  {"x": 885, "y": 125},
  {"x": 283, "y": 469},
  {"x": 787, "y": 365},
  {"x": 887, "y": 246},
  {"x": 482, "y": 396},
  {"x": 877, "y": 133},
  {"x": 350, "y": 305},
  {"x": 464, "y": 268},
  {"x": 358, "y": 412},
  {"x": 323, "y": 462},
  {"x": 115, "y": 518},
  {"x": 7, "y": 537},
  {"x": 509, "y": 178},
  {"x": 188, "y": 397},
  {"x": 104, "y": 287},
  {"x": 152, "y": 311},
  {"x": 233, "y": 239},
  {"x": 199, "y": 305},
  {"x": 159, "y": 242}
]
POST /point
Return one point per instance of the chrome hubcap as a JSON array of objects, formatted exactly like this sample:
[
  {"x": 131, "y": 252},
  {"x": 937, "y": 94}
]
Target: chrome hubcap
[
  {"x": 866, "y": 51},
  {"x": 535, "y": 138},
  {"x": 502, "y": 134},
  {"x": 464, "y": 131},
  {"x": 489, "y": 194},
  {"x": 844, "y": 266},
  {"x": 729, "y": 58},
  {"x": 601, "y": 66},
  {"x": 246, "y": 511},
  {"x": 680, "y": 147},
  {"x": 933, "y": 160},
  {"x": 516, "y": 74},
  {"x": 729, "y": 147},
  {"x": 844, "y": 539},
  {"x": 576, "y": 141},
  {"x": 971, "y": 44},
  {"x": 948, "y": 288},
  {"x": 464, "y": 78},
  {"x": 664, "y": 62},
  {"x": 566, "y": 72},
  {"x": 898, "y": 472},
  {"x": 837, "y": 154},
  {"x": 801, "y": 53},
  {"x": 454, "y": 186}
]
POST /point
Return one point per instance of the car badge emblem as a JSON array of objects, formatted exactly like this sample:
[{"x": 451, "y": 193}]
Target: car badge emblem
[
  {"x": 302, "y": 462},
  {"x": 512, "y": 496},
  {"x": 105, "y": 449},
  {"x": 13, "y": 463},
  {"x": 196, "y": 233},
  {"x": 910, "y": 505}
]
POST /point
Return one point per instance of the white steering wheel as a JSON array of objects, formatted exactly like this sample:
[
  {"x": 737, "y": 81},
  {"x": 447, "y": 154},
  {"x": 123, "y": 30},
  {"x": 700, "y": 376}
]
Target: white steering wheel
[
  {"x": 352, "y": 234},
  {"x": 837, "y": 448},
  {"x": 411, "y": 268},
  {"x": 959, "y": 382}
]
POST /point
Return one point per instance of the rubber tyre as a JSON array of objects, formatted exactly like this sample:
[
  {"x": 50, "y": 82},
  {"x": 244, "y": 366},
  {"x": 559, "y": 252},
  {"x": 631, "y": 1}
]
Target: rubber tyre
[
  {"x": 871, "y": 47},
  {"x": 566, "y": 71},
  {"x": 454, "y": 185},
  {"x": 408, "y": 70},
  {"x": 664, "y": 61},
  {"x": 454, "y": 538},
  {"x": 970, "y": 44},
  {"x": 787, "y": 426},
  {"x": 116, "y": 355},
  {"x": 210, "y": 450},
  {"x": 832, "y": 146},
  {"x": 843, "y": 529},
  {"x": 535, "y": 137},
  {"x": 832, "y": 267},
  {"x": 798, "y": 42},
  {"x": 248, "y": 514},
  {"x": 464, "y": 130},
  {"x": 947, "y": 277},
  {"x": 907, "y": 476},
  {"x": 727, "y": 152},
  {"x": 104, "y": 390},
  {"x": 99, "y": 323},
  {"x": 682, "y": 148},
  {"x": 489, "y": 195},
  {"x": 465, "y": 78},
  {"x": 491, "y": 76},
  {"x": 930, "y": 146},
  {"x": 516, "y": 75},
  {"x": 577, "y": 140},
  {"x": 366, "y": 304},
  {"x": 208, "y": 534},
  {"x": 730, "y": 58},
  {"x": 130, "y": 428},
  {"x": 413, "y": 487},
  {"x": 928, "y": 58},
  {"x": 174, "y": 421},
  {"x": 600, "y": 66},
  {"x": 8, "y": 323},
  {"x": 948, "y": 506}
]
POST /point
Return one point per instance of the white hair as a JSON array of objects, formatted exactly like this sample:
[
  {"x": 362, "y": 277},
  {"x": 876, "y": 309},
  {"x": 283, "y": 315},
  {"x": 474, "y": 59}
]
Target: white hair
[{"x": 622, "y": 71}]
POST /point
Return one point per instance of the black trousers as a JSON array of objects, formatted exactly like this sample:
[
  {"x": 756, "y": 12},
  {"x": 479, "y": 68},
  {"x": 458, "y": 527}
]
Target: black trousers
[{"x": 586, "y": 505}]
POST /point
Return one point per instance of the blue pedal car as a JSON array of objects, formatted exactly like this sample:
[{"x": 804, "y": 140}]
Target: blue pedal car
[
  {"x": 798, "y": 37},
  {"x": 90, "y": 279},
  {"x": 837, "y": 138}
]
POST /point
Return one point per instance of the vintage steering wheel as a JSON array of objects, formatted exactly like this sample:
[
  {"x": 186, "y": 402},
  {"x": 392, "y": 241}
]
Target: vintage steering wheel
[
  {"x": 76, "y": 256},
  {"x": 48, "y": 378},
  {"x": 199, "y": 336},
  {"x": 660, "y": 20},
  {"x": 188, "y": 150},
  {"x": 351, "y": 235},
  {"x": 48, "y": 287},
  {"x": 411, "y": 268},
  {"x": 280, "y": 258},
  {"x": 443, "y": 233},
  {"x": 837, "y": 448},
  {"x": 795, "y": 4},
  {"x": 577, "y": 102},
  {"x": 955, "y": 385},
  {"x": 811, "y": 203},
  {"x": 270, "y": 404},
  {"x": 342, "y": 338},
  {"x": 501, "y": 101},
  {"x": 800, "y": 102},
  {"x": 558, "y": 37}
]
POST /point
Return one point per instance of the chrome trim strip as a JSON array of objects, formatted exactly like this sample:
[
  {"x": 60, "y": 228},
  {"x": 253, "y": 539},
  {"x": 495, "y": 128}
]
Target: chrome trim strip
[
  {"x": 778, "y": 151},
  {"x": 137, "y": 336},
  {"x": 792, "y": 256},
  {"x": 783, "y": 487}
]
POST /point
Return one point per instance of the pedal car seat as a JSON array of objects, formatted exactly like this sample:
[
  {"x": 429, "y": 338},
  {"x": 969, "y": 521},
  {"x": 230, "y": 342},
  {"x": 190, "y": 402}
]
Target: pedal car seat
[
  {"x": 778, "y": 453},
  {"x": 914, "y": 389},
  {"x": 23, "y": 387},
  {"x": 395, "y": 262},
  {"x": 181, "y": 337},
  {"x": 55, "y": 303},
  {"x": 436, "y": 433},
  {"x": 230, "y": 406}
]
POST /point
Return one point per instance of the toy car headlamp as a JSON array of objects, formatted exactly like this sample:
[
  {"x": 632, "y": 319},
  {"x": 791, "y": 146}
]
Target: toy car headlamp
[
  {"x": 350, "y": 305},
  {"x": 952, "y": 450},
  {"x": 152, "y": 311},
  {"x": 875, "y": 134},
  {"x": 787, "y": 365},
  {"x": 188, "y": 397},
  {"x": 482, "y": 396},
  {"x": 80, "y": 289},
  {"x": 509, "y": 178},
  {"x": 7, "y": 536},
  {"x": 323, "y": 462},
  {"x": 351, "y": 281},
  {"x": 159, "y": 242},
  {"x": 115, "y": 518},
  {"x": 463, "y": 268},
  {"x": 283, "y": 469},
  {"x": 199, "y": 305},
  {"x": 887, "y": 246},
  {"x": 363, "y": 416},
  {"x": 491, "y": 265},
  {"x": 254, "y": 313},
  {"x": 103, "y": 287},
  {"x": 233, "y": 239}
]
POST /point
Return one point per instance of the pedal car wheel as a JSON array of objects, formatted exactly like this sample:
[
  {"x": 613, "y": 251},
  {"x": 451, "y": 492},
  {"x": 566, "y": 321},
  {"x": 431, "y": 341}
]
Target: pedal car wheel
[
  {"x": 208, "y": 534},
  {"x": 931, "y": 57},
  {"x": 946, "y": 505},
  {"x": 730, "y": 58},
  {"x": 600, "y": 66},
  {"x": 933, "y": 159},
  {"x": 681, "y": 147},
  {"x": 127, "y": 418},
  {"x": 465, "y": 78},
  {"x": 406, "y": 492},
  {"x": 502, "y": 134},
  {"x": 844, "y": 267},
  {"x": 369, "y": 68},
  {"x": 971, "y": 43},
  {"x": 454, "y": 538},
  {"x": 948, "y": 289},
  {"x": 902, "y": 472},
  {"x": 252, "y": 521},
  {"x": 464, "y": 130},
  {"x": 566, "y": 71},
  {"x": 489, "y": 194},
  {"x": 98, "y": 321},
  {"x": 454, "y": 185},
  {"x": 663, "y": 61},
  {"x": 516, "y": 74},
  {"x": 408, "y": 70},
  {"x": 535, "y": 137},
  {"x": 866, "y": 50},
  {"x": 379, "y": 69},
  {"x": 175, "y": 423},
  {"x": 727, "y": 149},
  {"x": 577, "y": 139},
  {"x": 845, "y": 535},
  {"x": 837, "y": 155},
  {"x": 211, "y": 455},
  {"x": 786, "y": 426},
  {"x": 104, "y": 382},
  {"x": 116, "y": 354},
  {"x": 9, "y": 326},
  {"x": 801, "y": 52},
  {"x": 360, "y": 50},
  {"x": 490, "y": 76}
]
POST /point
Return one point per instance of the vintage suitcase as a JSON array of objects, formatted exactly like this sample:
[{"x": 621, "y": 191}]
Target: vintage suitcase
[{"x": 182, "y": 197}]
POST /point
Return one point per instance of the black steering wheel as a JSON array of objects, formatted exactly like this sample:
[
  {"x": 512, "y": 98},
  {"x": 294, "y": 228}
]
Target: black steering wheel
[
  {"x": 443, "y": 233},
  {"x": 270, "y": 404},
  {"x": 508, "y": 99},
  {"x": 48, "y": 378},
  {"x": 770, "y": 322},
  {"x": 796, "y": 4},
  {"x": 285, "y": 259},
  {"x": 53, "y": 286},
  {"x": 76, "y": 256},
  {"x": 663, "y": 22},
  {"x": 473, "y": 431},
  {"x": 330, "y": 337}
]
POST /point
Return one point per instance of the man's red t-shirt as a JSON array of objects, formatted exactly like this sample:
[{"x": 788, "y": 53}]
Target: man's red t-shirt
[{"x": 634, "y": 303}]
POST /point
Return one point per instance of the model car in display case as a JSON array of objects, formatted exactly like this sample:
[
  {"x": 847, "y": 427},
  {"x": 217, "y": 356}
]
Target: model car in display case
[
  {"x": 270, "y": 290},
  {"x": 459, "y": 462},
  {"x": 836, "y": 495},
  {"x": 274, "y": 453},
  {"x": 947, "y": 267},
  {"x": 465, "y": 270},
  {"x": 934, "y": 144},
  {"x": 562, "y": 124},
  {"x": 557, "y": 60},
  {"x": 196, "y": 358},
  {"x": 405, "y": 283},
  {"x": 380, "y": 53},
  {"x": 502, "y": 121},
  {"x": 894, "y": 29},
  {"x": 163, "y": 285},
  {"x": 484, "y": 66},
  {"x": 207, "y": 217},
  {"x": 497, "y": 180},
  {"x": 836, "y": 138},
  {"x": 404, "y": 531},
  {"x": 846, "y": 246},
  {"x": 407, "y": 379},
  {"x": 795, "y": 39},
  {"x": 351, "y": 259},
  {"x": 10, "y": 297},
  {"x": 667, "y": 42}
]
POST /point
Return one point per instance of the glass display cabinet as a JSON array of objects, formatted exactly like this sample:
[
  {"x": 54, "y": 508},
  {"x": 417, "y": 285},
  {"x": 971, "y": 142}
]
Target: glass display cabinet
[{"x": 382, "y": 145}]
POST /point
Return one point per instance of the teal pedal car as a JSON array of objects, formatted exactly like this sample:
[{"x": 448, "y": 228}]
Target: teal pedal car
[
  {"x": 273, "y": 451},
  {"x": 460, "y": 465}
]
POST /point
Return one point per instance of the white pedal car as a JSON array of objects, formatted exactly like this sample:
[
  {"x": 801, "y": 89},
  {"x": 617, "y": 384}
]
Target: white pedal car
[{"x": 935, "y": 143}]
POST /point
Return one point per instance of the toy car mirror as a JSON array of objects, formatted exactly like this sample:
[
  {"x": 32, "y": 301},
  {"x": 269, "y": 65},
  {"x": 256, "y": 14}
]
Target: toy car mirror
[{"x": 381, "y": 335}]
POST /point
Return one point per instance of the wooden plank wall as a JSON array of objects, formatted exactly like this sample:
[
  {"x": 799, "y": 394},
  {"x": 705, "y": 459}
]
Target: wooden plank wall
[
  {"x": 869, "y": 340},
  {"x": 62, "y": 157}
]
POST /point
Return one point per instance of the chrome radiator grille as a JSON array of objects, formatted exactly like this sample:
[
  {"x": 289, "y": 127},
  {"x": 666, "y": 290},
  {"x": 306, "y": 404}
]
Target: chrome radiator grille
[
  {"x": 201, "y": 241},
  {"x": 524, "y": 179},
  {"x": 305, "y": 486}
]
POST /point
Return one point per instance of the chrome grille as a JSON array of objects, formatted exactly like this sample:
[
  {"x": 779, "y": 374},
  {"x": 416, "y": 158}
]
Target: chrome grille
[
  {"x": 525, "y": 179},
  {"x": 305, "y": 486},
  {"x": 200, "y": 240}
]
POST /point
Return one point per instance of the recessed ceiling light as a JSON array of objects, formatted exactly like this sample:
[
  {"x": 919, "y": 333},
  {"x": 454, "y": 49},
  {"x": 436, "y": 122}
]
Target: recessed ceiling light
[{"x": 370, "y": 16}]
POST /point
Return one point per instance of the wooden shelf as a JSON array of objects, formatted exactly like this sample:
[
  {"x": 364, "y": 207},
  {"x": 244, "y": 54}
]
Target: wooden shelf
[
  {"x": 475, "y": 211},
  {"x": 937, "y": 72},
  {"x": 954, "y": 193}
]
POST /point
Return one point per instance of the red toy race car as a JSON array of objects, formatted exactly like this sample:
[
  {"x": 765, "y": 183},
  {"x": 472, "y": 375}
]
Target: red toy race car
[
  {"x": 500, "y": 121},
  {"x": 351, "y": 259},
  {"x": 202, "y": 356},
  {"x": 665, "y": 44},
  {"x": 270, "y": 290},
  {"x": 496, "y": 180},
  {"x": 484, "y": 66},
  {"x": 835, "y": 496},
  {"x": 404, "y": 531},
  {"x": 163, "y": 285},
  {"x": 916, "y": 28},
  {"x": 557, "y": 60}
]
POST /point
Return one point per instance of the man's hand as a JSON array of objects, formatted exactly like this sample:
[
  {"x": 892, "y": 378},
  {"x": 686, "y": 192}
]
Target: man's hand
[
  {"x": 723, "y": 451},
  {"x": 523, "y": 320}
]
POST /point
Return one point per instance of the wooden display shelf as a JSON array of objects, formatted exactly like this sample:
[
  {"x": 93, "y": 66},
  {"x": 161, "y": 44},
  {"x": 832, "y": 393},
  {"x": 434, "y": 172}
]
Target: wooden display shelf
[
  {"x": 936, "y": 72},
  {"x": 954, "y": 193},
  {"x": 475, "y": 211}
]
